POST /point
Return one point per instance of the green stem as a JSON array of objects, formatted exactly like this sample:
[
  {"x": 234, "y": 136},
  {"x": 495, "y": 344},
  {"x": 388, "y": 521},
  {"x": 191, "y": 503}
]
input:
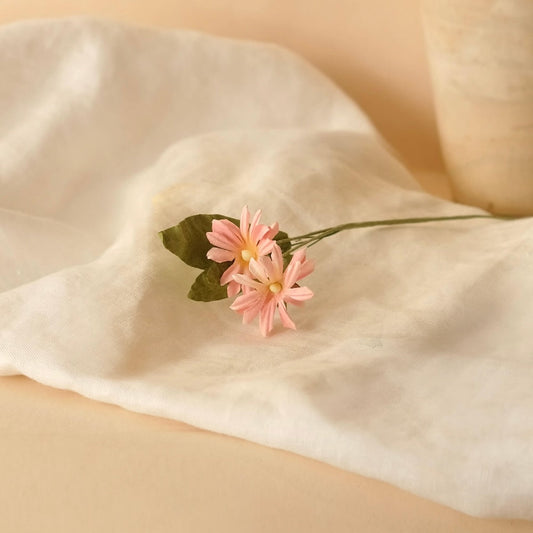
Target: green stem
[{"x": 309, "y": 239}]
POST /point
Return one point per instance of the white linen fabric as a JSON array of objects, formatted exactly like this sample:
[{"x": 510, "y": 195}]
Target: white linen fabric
[{"x": 412, "y": 363}]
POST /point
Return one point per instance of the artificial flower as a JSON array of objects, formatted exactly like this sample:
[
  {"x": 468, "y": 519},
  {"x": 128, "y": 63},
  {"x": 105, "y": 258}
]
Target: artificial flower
[
  {"x": 240, "y": 245},
  {"x": 270, "y": 288},
  {"x": 256, "y": 254}
]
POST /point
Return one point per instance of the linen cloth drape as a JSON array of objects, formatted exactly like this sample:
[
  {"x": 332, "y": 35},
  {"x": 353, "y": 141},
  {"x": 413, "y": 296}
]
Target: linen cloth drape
[{"x": 412, "y": 363}]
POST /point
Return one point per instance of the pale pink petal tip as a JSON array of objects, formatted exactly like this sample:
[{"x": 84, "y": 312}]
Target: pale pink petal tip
[{"x": 245, "y": 220}]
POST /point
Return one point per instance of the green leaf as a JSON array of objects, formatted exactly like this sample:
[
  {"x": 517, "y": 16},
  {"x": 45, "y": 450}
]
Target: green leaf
[
  {"x": 206, "y": 287},
  {"x": 285, "y": 246},
  {"x": 188, "y": 239}
]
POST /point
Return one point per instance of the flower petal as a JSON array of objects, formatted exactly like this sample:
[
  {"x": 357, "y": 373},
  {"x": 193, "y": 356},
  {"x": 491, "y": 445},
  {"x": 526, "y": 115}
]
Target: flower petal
[
  {"x": 270, "y": 270},
  {"x": 251, "y": 312},
  {"x": 307, "y": 268},
  {"x": 273, "y": 231},
  {"x": 228, "y": 274},
  {"x": 291, "y": 273},
  {"x": 247, "y": 281},
  {"x": 227, "y": 228},
  {"x": 299, "y": 255},
  {"x": 264, "y": 247},
  {"x": 298, "y": 268},
  {"x": 258, "y": 271},
  {"x": 254, "y": 223},
  {"x": 297, "y": 294},
  {"x": 258, "y": 232},
  {"x": 246, "y": 301},
  {"x": 277, "y": 262},
  {"x": 222, "y": 241},
  {"x": 266, "y": 318},
  {"x": 233, "y": 288},
  {"x": 285, "y": 318},
  {"x": 218, "y": 255},
  {"x": 245, "y": 221}
]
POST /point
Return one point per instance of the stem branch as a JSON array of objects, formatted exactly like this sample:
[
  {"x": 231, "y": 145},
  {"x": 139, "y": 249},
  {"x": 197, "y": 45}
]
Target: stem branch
[{"x": 309, "y": 239}]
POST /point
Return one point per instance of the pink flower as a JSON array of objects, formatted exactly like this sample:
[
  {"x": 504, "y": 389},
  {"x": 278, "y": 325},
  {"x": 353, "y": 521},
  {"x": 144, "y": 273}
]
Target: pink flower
[
  {"x": 268, "y": 288},
  {"x": 240, "y": 245}
]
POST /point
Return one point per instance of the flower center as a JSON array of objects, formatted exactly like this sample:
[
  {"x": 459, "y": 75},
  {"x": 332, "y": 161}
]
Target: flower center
[
  {"x": 246, "y": 255},
  {"x": 275, "y": 287}
]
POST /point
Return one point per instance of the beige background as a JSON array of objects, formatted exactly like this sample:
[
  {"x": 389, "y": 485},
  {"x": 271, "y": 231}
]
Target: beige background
[{"x": 70, "y": 464}]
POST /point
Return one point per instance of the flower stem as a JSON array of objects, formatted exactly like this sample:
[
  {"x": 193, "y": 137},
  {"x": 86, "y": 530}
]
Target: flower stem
[{"x": 310, "y": 239}]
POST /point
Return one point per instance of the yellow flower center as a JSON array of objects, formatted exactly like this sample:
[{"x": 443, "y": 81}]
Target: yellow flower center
[
  {"x": 275, "y": 287},
  {"x": 246, "y": 255}
]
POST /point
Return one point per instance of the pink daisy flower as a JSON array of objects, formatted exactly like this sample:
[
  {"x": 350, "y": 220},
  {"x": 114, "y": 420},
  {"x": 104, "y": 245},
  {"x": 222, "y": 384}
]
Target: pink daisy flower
[
  {"x": 250, "y": 240},
  {"x": 269, "y": 288}
]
